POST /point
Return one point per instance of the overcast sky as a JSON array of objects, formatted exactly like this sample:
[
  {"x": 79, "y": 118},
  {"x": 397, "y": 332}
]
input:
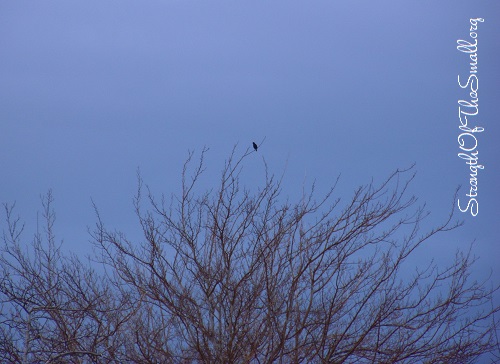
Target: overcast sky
[{"x": 91, "y": 91}]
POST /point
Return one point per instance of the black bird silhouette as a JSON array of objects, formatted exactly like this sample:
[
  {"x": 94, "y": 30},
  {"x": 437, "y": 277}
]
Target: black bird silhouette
[{"x": 255, "y": 146}]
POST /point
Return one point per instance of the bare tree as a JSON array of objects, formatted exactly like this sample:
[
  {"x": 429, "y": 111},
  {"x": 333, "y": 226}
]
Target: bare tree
[
  {"x": 54, "y": 308},
  {"x": 233, "y": 275}
]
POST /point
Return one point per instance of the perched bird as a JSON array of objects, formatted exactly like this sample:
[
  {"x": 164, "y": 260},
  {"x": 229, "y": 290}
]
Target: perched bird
[{"x": 255, "y": 146}]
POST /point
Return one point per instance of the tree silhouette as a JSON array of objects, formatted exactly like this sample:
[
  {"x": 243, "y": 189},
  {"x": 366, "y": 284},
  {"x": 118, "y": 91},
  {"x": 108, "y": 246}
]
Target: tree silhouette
[{"x": 234, "y": 276}]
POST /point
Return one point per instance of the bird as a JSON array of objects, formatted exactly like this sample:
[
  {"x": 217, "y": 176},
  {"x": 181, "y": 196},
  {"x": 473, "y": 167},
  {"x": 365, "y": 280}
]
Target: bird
[{"x": 255, "y": 146}]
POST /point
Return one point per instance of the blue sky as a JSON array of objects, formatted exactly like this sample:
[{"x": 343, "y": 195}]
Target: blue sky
[{"x": 90, "y": 91}]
